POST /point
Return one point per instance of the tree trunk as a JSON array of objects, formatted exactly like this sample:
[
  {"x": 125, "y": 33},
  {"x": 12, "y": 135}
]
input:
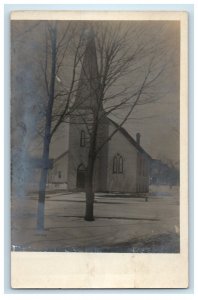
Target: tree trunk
[
  {"x": 41, "y": 201},
  {"x": 42, "y": 185},
  {"x": 89, "y": 213},
  {"x": 47, "y": 135}
]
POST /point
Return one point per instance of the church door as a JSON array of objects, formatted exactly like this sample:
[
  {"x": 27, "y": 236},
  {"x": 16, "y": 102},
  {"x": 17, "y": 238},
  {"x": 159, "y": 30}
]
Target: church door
[{"x": 81, "y": 177}]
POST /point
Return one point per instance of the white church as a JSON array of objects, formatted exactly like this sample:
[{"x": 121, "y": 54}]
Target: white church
[{"x": 121, "y": 166}]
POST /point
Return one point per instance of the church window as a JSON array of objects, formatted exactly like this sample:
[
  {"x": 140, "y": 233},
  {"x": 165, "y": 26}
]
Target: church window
[
  {"x": 115, "y": 164},
  {"x": 118, "y": 164},
  {"x": 59, "y": 174},
  {"x": 82, "y": 138}
]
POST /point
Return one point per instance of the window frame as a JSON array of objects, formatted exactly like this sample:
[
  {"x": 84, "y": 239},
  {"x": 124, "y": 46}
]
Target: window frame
[
  {"x": 82, "y": 138},
  {"x": 115, "y": 164},
  {"x": 118, "y": 164}
]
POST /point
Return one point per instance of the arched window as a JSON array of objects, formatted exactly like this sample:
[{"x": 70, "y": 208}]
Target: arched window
[
  {"x": 118, "y": 164},
  {"x": 82, "y": 138},
  {"x": 115, "y": 164}
]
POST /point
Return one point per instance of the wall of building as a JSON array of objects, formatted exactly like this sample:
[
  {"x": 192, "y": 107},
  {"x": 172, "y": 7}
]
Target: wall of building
[
  {"x": 77, "y": 155},
  {"x": 60, "y": 141},
  {"x": 102, "y": 161},
  {"x": 126, "y": 181},
  {"x": 58, "y": 147},
  {"x": 142, "y": 173},
  {"x": 134, "y": 177},
  {"x": 59, "y": 172}
]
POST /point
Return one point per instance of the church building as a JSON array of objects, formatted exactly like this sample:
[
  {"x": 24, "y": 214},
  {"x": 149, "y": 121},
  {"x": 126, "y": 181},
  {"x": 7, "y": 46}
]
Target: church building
[{"x": 121, "y": 165}]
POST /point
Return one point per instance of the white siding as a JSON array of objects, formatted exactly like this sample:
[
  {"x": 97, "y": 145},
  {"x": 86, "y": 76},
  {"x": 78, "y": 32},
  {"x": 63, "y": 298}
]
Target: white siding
[
  {"x": 60, "y": 170},
  {"x": 126, "y": 181},
  {"x": 60, "y": 141}
]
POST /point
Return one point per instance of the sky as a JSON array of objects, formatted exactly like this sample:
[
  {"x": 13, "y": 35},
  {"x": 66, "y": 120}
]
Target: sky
[{"x": 157, "y": 122}]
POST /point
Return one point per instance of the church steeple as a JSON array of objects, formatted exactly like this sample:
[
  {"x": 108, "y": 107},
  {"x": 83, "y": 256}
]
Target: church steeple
[{"x": 86, "y": 96}]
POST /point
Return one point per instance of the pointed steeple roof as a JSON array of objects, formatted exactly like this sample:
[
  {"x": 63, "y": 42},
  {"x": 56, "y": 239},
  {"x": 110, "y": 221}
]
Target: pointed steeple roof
[{"x": 86, "y": 96}]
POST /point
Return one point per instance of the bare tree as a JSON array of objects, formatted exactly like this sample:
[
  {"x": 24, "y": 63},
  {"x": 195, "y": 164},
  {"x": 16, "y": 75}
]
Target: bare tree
[
  {"x": 59, "y": 49},
  {"x": 59, "y": 97},
  {"x": 108, "y": 65}
]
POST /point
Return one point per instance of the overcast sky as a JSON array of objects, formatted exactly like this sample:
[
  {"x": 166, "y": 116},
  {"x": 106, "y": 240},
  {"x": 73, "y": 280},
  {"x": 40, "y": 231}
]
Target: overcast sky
[{"x": 157, "y": 122}]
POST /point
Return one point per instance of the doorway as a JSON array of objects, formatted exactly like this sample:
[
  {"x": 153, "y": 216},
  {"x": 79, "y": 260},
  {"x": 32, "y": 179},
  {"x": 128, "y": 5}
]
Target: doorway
[{"x": 81, "y": 177}]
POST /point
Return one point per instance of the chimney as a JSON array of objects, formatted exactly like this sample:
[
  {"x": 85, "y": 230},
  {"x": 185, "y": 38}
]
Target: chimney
[{"x": 138, "y": 138}]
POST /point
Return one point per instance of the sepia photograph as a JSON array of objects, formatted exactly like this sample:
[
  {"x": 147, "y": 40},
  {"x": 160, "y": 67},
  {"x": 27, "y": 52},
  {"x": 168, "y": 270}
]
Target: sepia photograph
[{"x": 95, "y": 136}]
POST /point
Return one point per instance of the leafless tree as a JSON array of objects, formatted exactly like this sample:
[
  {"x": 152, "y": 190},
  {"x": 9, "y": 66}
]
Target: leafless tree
[
  {"x": 109, "y": 83},
  {"x": 60, "y": 51},
  {"x": 60, "y": 96}
]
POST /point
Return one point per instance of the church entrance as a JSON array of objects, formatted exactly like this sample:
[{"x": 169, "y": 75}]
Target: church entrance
[{"x": 81, "y": 177}]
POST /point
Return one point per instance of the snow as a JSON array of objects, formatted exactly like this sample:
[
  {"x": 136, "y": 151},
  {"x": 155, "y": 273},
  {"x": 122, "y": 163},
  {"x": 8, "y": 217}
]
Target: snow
[{"x": 122, "y": 223}]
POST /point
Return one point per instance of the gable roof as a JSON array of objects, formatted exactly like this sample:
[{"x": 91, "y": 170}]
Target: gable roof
[{"x": 130, "y": 138}]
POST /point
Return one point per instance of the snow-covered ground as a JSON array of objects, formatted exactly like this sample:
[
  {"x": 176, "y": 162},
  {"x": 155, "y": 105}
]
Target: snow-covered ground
[{"x": 122, "y": 223}]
